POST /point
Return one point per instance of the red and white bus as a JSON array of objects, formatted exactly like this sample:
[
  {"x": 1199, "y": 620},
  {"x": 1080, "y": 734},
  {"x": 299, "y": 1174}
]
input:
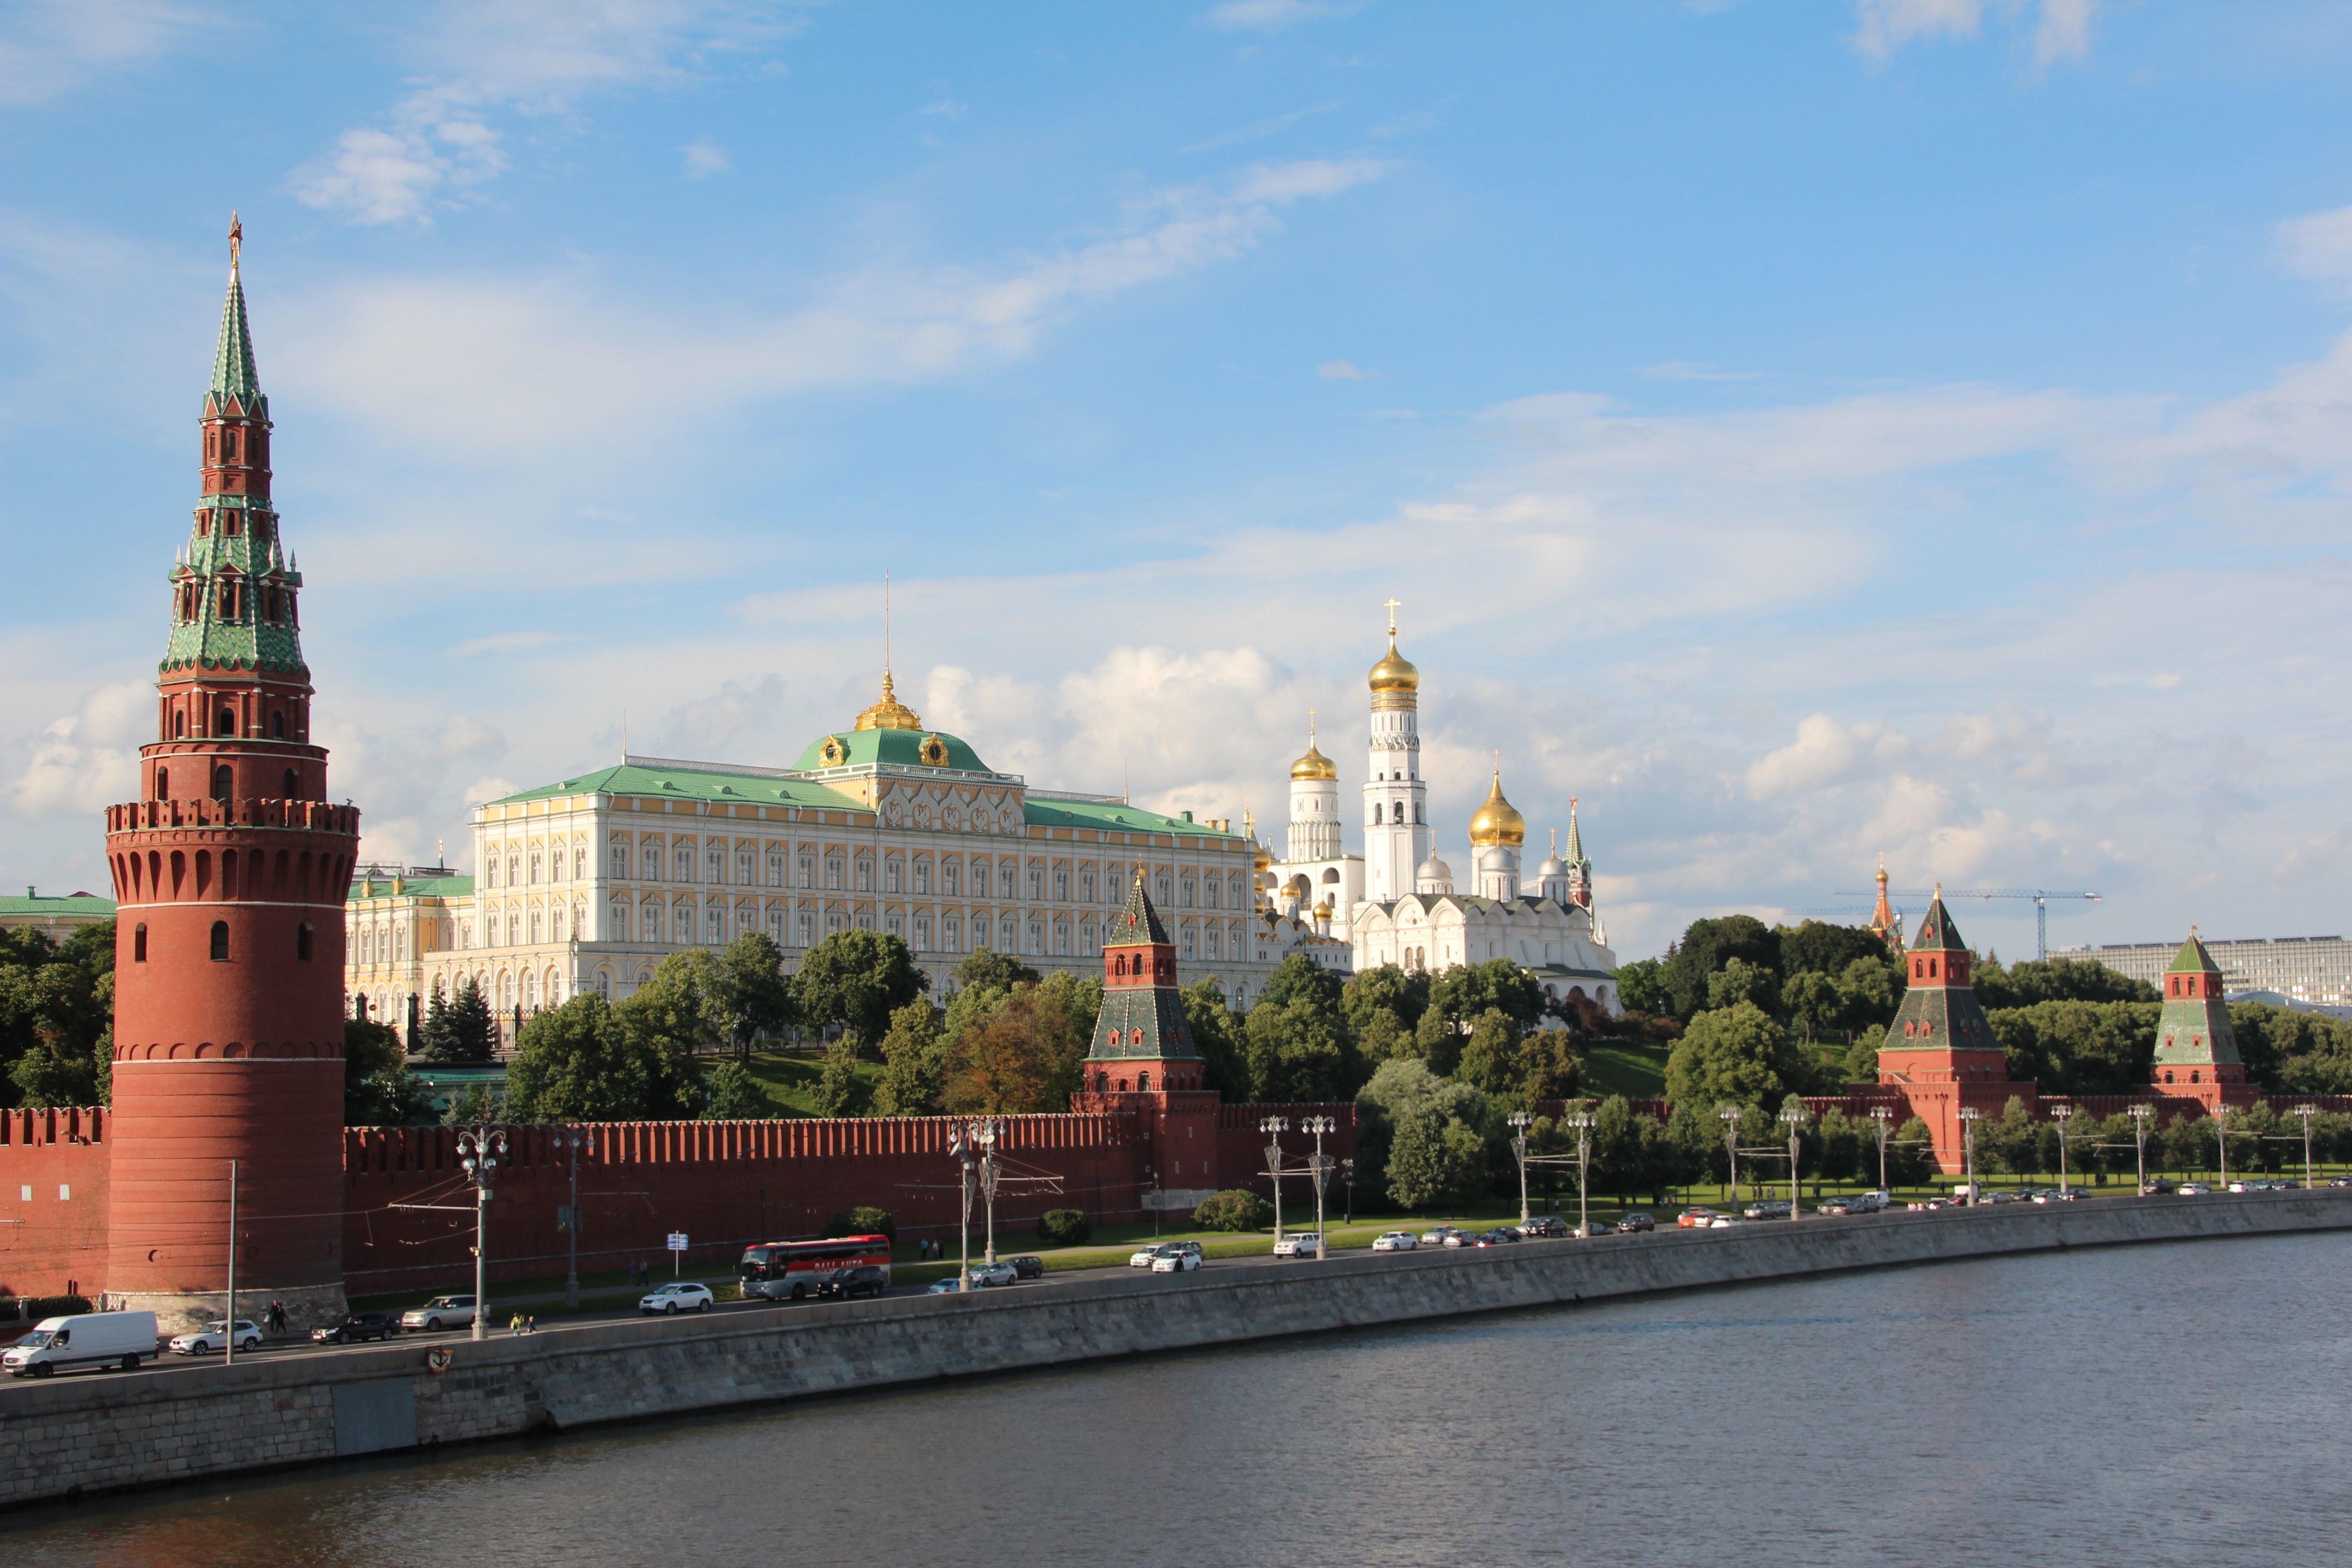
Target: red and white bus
[{"x": 790, "y": 1271}]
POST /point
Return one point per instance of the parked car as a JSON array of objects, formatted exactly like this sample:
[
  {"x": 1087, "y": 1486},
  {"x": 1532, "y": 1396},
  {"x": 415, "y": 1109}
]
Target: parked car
[
  {"x": 848, "y": 1284},
  {"x": 1545, "y": 1224},
  {"x": 2060, "y": 1195},
  {"x": 1501, "y": 1235},
  {"x": 678, "y": 1296},
  {"x": 87, "y": 1339},
  {"x": 1695, "y": 1219},
  {"x": 1598, "y": 1227},
  {"x": 1766, "y": 1208},
  {"x": 356, "y": 1327},
  {"x": 2339, "y": 1182},
  {"x": 1145, "y": 1256},
  {"x": 1876, "y": 1200},
  {"x": 946, "y": 1287},
  {"x": 441, "y": 1312},
  {"x": 1300, "y": 1243},
  {"x": 984, "y": 1275},
  {"x": 1839, "y": 1207},
  {"x": 1435, "y": 1234},
  {"x": 214, "y": 1336},
  {"x": 1177, "y": 1262},
  {"x": 1635, "y": 1219},
  {"x": 1028, "y": 1265},
  {"x": 2196, "y": 1189},
  {"x": 1395, "y": 1241},
  {"x": 2158, "y": 1185}
]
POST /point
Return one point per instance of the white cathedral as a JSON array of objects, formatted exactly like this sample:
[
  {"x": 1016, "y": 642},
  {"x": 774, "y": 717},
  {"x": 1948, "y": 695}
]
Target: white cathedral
[{"x": 1396, "y": 902}]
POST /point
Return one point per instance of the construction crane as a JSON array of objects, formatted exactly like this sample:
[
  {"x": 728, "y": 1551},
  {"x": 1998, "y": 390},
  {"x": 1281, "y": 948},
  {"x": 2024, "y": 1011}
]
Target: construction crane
[{"x": 2041, "y": 896}]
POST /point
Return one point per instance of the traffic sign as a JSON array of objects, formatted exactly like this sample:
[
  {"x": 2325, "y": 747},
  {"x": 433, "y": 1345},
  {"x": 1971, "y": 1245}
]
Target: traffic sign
[{"x": 678, "y": 1241}]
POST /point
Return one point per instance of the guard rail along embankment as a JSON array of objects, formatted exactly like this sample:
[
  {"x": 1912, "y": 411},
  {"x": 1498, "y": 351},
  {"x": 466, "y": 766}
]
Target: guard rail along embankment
[{"x": 87, "y": 1433}]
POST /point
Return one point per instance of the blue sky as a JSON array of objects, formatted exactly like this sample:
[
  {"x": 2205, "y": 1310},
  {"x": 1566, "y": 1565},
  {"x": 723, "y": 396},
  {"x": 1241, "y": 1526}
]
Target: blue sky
[{"x": 1800, "y": 431}]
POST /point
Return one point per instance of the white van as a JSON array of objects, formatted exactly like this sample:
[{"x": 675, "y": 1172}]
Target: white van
[{"x": 87, "y": 1339}]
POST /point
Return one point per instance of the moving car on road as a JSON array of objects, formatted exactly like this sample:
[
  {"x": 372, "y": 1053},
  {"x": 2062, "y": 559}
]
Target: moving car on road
[
  {"x": 1300, "y": 1243},
  {"x": 357, "y": 1327},
  {"x": 1766, "y": 1208},
  {"x": 986, "y": 1274},
  {"x": 1635, "y": 1220},
  {"x": 848, "y": 1284},
  {"x": 1501, "y": 1235},
  {"x": 2196, "y": 1189},
  {"x": 1028, "y": 1265},
  {"x": 87, "y": 1339},
  {"x": 1176, "y": 1261},
  {"x": 441, "y": 1312},
  {"x": 1836, "y": 1207},
  {"x": 1395, "y": 1241},
  {"x": 214, "y": 1336},
  {"x": 678, "y": 1296},
  {"x": 1545, "y": 1224},
  {"x": 1698, "y": 1217}
]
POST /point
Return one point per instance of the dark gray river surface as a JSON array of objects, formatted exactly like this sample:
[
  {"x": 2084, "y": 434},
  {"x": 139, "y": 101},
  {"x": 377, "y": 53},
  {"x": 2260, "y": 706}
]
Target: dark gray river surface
[{"x": 2183, "y": 1403}]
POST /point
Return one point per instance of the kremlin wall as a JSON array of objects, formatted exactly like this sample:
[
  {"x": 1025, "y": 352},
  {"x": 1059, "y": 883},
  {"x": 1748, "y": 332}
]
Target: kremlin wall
[{"x": 232, "y": 872}]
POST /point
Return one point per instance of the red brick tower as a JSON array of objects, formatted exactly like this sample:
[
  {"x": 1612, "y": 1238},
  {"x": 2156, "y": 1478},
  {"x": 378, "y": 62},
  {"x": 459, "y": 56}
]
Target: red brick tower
[
  {"x": 1143, "y": 1058},
  {"x": 2196, "y": 1045},
  {"x": 1940, "y": 1048},
  {"x": 231, "y": 873}
]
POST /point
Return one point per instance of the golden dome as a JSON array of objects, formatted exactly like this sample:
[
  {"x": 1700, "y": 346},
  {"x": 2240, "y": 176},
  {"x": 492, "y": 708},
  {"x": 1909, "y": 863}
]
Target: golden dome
[
  {"x": 1498, "y": 821},
  {"x": 1323, "y": 910},
  {"x": 1314, "y": 765},
  {"x": 1262, "y": 859},
  {"x": 1396, "y": 672},
  {"x": 889, "y": 714}
]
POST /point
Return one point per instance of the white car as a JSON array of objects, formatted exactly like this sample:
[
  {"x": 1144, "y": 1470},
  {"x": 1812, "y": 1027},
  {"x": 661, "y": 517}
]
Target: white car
[
  {"x": 1176, "y": 1261},
  {"x": 214, "y": 1336},
  {"x": 1145, "y": 1256},
  {"x": 1395, "y": 1241},
  {"x": 681, "y": 1296},
  {"x": 441, "y": 1312},
  {"x": 1300, "y": 1243},
  {"x": 984, "y": 1275}
]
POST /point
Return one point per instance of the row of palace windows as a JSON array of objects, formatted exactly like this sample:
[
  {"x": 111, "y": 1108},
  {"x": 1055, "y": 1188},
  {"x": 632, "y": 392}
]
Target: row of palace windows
[
  {"x": 234, "y": 599},
  {"x": 843, "y": 872},
  {"x": 304, "y": 941},
  {"x": 224, "y": 783}
]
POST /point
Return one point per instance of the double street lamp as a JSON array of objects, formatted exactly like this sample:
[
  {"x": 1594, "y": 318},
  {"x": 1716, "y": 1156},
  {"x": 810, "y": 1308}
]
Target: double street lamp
[
  {"x": 2306, "y": 1110},
  {"x": 1794, "y": 1117},
  {"x": 2139, "y": 1113},
  {"x": 971, "y": 1143},
  {"x": 572, "y": 1140},
  {"x": 1885, "y": 1120},
  {"x": 1730, "y": 1115},
  {"x": 480, "y": 1150},
  {"x": 1583, "y": 1121},
  {"x": 1273, "y": 1127},
  {"x": 2061, "y": 1113},
  {"x": 1320, "y": 1167},
  {"x": 1520, "y": 1121}
]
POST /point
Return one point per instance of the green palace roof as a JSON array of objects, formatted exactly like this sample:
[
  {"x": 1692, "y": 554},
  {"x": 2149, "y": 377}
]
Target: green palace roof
[
  {"x": 930, "y": 748},
  {"x": 452, "y": 885},
  {"x": 691, "y": 783},
  {"x": 69, "y": 906}
]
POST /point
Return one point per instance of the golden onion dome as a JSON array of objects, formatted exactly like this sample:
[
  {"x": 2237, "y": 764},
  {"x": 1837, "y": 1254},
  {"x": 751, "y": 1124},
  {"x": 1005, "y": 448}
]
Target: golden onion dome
[
  {"x": 1323, "y": 910},
  {"x": 1395, "y": 672},
  {"x": 1314, "y": 765},
  {"x": 1497, "y": 821},
  {"x": 889, "y": 713},
  {"x": 1262, "y": 859}
]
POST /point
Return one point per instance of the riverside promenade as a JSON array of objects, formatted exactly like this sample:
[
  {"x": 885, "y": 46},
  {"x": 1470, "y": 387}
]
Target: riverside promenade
[{"x": 89, "y": 1433}]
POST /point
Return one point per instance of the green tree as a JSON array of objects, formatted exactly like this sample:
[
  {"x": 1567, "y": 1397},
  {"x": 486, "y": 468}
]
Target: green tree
[
  {"x": 1739, "y": 981},
  {"x": 1298, "y": 1050},
  {"x": 1869, "y": 990},
  {"x": 749, "y": 993},
  {"x": 1862, "y": 1056},
  {"x": 1437, "y": 1040},
  {"x": 378, "y": 1088},
  {"x": 2056, "y": 980},
  {"x": 1490, "y": 1056},
  {"x": 56, "y": 1015},
  {"x": 1820, "y": 948},
  {"x": 985, "y": 967},
  {"x": 1551, "y": 1065},
  {"x": 856, "y": 979},
  {"x": 1642, "y": 987},
  {"x": 1706, "y": 947},
  {"x": 839, "y": 1091},
  {"x": 1404, "y": 1094},
  {"x": 468, "y": 1035},
  {"x": 1735, "y": 1055},
  {"x": 914, "y": 1063},
  {"x": 1466, "y": 993},
  {"x": 2079, "y": 1048},
  {"x": 1811, "y": 1000},
  {"x": 1403, "y": 994},
  {"x": 2295, "y": 1052},
  {"x": 1216, "y": 1034},
  {"x": 1910, "y": 1154},
  {"x": 1234, "y": 1209},
  {"x": 734, "y": 1095},
  {"x": 1023, "y": 1056},
  {"x": 589, "y": 1061}
]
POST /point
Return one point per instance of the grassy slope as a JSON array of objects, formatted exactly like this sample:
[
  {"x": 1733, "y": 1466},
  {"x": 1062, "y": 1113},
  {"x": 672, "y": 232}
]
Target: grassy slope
[
  {"x": 1636, "y": 1071},
  {"x": 790, "y": 1081}
]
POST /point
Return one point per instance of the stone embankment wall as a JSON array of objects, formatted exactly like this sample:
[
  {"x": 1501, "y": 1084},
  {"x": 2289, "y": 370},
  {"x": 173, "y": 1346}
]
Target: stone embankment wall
[{"x": 92, "y": 1432}]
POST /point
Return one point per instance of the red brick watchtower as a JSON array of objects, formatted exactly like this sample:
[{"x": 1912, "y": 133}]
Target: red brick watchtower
[
  {"x": 1143, "y": 1058},
  {"x": 1940, "y": 1048},
  {"x": 231, "y": 873}
]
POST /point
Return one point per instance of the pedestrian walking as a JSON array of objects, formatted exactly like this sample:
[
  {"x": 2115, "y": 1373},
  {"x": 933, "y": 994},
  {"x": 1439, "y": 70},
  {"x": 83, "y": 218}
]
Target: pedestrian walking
[
  {"x": 530, "y": 1323},
  {"x": 514, "y": 1324}
]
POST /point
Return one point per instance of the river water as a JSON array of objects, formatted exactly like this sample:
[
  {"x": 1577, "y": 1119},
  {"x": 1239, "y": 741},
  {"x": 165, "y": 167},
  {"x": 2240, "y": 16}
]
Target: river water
[{"x": 2182, "y": 1404}]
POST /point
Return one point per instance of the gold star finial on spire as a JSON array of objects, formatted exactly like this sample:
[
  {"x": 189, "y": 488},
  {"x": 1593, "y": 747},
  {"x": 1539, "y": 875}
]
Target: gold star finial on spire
[{"x": 235, "y": 240}]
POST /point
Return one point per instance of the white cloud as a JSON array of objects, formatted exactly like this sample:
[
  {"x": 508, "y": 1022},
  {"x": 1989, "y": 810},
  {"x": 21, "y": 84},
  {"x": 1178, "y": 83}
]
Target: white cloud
[
  {"x": 48, "y": 48},
  {"x": 2319, "y": 245},
  {"x": 523, "y": 366},
  {"x": 704, "y": 158},
  {"x": 1824, "y": 752},
  {"x": 89, "y": 760},
  {"x": 948, "y": 109},
  {"x": 1273, "y": 16},
  {"x": 2061, "y": 27},
  {"x": 529, "y": 56},
  {"x": 1341, "y": 370}
]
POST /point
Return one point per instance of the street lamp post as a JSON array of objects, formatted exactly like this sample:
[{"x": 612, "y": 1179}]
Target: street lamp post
[
  {"x": 2221, "y": 1142},
  {"x": 1273, "y": 1127},
  {"x": 1968, "y": 1114},
  {"x": 1794, "y": 1117},
  {"x": 1885, "y": 1118},
  {"x": 960, "y": 1150},
  {"x": 574, "y": 1140},
  {"x": 1583, "y": 1121},
  {"x": 1519, "y": 1121},
  {"x": 1347, "y": 1174},
  {"x": 2306, "y": 1110},
  {"x": 1319, "y": 1125},
  {"x": 2139, "y": 1113},
  {"x": 2061, "y": 1113},
  {"x": 480, "y": 1150},
  {"x": 1730, "y": 1115},
  {"x": 986, "y": 1130}
]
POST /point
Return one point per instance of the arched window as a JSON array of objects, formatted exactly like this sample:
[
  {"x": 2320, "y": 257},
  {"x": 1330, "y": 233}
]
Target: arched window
[
  {"x": 220, "y": 941},
  {"x": 163, "y": 783},
  {"x": 303, "y": 942},
  {"x": 292, "y": 786},
  {"x": 224, "y": 722},
  {"x": 179, "y": 724},
  {"x": 1376, "y": 813},
  {"x": 223, "y": 782},
  {"x": 278, "y": 726},
  {"x": 139, "y": 943},
  {"x": 1143, "y": 1081}
]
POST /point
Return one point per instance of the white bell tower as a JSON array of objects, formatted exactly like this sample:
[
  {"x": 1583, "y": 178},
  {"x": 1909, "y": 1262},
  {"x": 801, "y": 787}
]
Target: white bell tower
[{"x": 1396, "y": 798}]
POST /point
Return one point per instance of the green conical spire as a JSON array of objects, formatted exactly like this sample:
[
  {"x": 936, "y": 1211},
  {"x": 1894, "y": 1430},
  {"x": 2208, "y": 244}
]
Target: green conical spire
[{"x": 233, "y": 371}]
